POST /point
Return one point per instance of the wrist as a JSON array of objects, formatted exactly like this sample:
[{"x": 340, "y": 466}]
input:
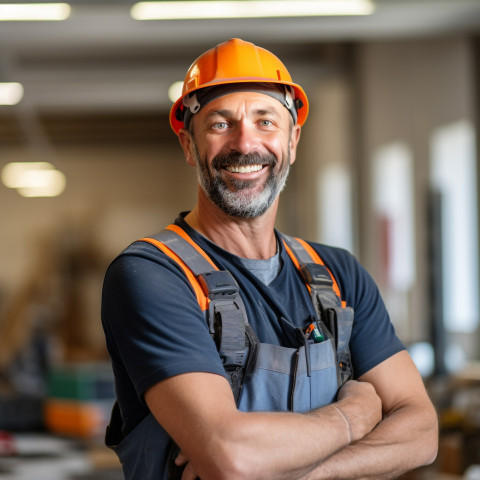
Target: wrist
[{"x": 347, "y": 423}]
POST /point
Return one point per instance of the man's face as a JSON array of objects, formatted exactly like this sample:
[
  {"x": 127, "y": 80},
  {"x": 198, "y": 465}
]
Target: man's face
[{"x": 242, "y": 149}]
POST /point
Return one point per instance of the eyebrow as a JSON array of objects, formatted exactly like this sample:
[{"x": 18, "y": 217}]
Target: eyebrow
[{"x": 229, "y": 113}]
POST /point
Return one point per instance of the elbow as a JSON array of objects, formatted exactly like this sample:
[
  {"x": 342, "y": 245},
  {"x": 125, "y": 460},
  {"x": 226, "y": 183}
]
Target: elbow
[
  {"x": 431, "y": 443},
  {"x": 227, "y": 460},
  {"x": 434, "y": 453},
  {"x": 429, "y": 455},
  {"x": 433, "y": 450},
  {"x": 227, "y": 464},
  {"x": 236, "y": 468}
]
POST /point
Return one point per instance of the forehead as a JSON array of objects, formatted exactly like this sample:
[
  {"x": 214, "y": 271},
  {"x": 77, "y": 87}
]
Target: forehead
[{"x": 251, "y": 103}]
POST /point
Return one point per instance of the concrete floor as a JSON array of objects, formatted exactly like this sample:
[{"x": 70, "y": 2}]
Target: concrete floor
[{"x": 46, "y": 457}]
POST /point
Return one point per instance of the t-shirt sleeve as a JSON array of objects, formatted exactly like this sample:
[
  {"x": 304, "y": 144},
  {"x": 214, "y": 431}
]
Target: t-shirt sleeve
[
  {"x": 153, "y": 323},
  {"x": 373, "y": 337}
]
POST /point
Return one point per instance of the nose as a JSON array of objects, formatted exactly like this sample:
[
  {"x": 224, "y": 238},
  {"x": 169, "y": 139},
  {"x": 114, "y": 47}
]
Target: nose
[{"x": 244, "y": 138}]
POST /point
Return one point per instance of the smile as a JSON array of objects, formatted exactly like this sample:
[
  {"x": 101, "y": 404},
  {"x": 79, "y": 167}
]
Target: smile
[{"x": 243, "y": 168}]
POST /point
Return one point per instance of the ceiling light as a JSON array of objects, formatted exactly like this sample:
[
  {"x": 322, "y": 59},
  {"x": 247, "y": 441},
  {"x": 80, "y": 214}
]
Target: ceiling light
[
  {"x": 48, "y": 183},
  {"x": 34, "y": 179},
  {"x": 248, "y": 9},
  {"x": 10, "y": 93},
  {"x": 13, "y": 172},
  {"x": 175, "y": 91},
  {"x": 34, "y": 11}
]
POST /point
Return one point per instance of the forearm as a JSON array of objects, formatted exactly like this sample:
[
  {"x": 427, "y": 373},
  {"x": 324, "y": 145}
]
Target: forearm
[
  {"x": 279, "y": 445},
  {"x": 404, "y": 440},
  {"x": 330, "y": 430},
  {"x": 220, "y": 442},
  {"x": 270, "y": 445}
]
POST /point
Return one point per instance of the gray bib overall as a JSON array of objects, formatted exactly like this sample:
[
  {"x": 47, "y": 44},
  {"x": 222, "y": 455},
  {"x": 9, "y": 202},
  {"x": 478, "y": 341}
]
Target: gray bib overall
[{"x": 263, "y": 377}]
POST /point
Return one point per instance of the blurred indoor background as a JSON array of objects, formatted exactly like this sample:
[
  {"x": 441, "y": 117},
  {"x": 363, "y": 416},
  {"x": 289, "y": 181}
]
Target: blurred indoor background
[{"x": 387, "y": 168}]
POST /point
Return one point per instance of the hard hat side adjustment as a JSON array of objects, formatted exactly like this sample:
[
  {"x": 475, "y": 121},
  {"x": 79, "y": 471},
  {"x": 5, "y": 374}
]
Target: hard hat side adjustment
[
  {"x": 289, "y": 96},
  {"x": 190, "y": 101}
]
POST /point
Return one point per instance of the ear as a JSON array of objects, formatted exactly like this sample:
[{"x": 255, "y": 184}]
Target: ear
[
  {"x": 186, "y": 141},
  {"x": 294, "y": 138}
]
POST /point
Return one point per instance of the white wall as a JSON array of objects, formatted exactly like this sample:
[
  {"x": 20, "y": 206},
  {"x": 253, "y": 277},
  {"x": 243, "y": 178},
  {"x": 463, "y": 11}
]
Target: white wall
[
  {"x": 114, "y": 195},
  {"x": 407, "y": 90}
]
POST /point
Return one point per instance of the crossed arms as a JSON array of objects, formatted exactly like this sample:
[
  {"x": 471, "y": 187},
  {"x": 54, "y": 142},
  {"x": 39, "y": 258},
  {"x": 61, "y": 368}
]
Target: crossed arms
[{"x": 380, "y": 427}]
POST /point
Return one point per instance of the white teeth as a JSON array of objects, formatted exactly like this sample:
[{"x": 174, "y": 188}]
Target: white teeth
[{"x": 243, "y": 168}]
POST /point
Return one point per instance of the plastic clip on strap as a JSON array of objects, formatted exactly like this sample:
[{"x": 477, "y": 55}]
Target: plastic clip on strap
[
  {"x": 316, "y": 275},
  {"x": 227, "y": 318},
  {"x": 227, "y": 323},
  {"x": 338, "y": 320},
  {"x": 225, "y": 311},
  {"x": 331, "y": 311},
  {"x": 225, "y": 306}
]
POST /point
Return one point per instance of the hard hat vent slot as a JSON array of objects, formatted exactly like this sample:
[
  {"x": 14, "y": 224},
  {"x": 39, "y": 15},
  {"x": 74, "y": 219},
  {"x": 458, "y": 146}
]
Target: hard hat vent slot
[{"x": 192, "y": 83}]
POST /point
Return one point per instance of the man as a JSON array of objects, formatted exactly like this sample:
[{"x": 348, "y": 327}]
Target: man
[{"x": 238, "y": 122}]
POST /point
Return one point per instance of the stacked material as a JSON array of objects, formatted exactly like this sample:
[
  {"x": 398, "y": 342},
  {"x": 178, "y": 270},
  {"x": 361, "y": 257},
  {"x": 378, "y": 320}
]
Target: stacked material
[{"x": 80, "y": 398}]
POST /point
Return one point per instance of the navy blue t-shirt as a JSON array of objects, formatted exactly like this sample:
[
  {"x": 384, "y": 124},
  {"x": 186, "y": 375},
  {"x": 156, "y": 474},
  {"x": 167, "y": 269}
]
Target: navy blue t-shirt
[{"x": 155, "y": 329}]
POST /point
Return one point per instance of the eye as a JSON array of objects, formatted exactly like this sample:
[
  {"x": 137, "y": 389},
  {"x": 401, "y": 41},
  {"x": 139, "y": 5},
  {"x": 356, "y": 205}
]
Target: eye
[
  {"x": 265, "y": 123},
  {"x": 220, "y": 125}
]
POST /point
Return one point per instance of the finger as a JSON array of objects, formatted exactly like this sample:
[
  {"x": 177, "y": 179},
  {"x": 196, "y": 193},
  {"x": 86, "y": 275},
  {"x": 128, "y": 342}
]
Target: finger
[
  {"x": 181, "y": 459},
  {"x": 189, "y": 473}
]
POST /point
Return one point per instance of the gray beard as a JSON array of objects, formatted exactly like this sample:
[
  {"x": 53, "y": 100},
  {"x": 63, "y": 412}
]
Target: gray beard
[{"x": 235, "y": 203}]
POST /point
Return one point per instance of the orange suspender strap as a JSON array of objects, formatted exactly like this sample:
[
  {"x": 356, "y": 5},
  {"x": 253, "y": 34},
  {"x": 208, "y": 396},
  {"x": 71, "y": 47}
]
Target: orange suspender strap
[
  {"x": 179, "y": 231},
  {"x": 202, "y": 299},
  {"x": 315, "y": 257}
]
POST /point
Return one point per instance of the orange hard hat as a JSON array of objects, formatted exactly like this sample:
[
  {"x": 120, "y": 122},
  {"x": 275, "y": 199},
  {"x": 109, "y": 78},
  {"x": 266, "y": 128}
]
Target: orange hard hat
[{"x": 236, "y": 61}]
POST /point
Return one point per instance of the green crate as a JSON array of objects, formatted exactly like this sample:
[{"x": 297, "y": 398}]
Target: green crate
[{"x": 84, "y": 382}]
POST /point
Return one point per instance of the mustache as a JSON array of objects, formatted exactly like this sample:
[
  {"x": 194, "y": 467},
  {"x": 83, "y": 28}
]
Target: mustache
[{"x": 236, "y": 158}]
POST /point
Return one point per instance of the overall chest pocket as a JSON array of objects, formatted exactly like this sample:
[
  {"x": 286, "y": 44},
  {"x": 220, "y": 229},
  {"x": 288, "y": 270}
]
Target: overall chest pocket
[{"x": 291, "y": 379}]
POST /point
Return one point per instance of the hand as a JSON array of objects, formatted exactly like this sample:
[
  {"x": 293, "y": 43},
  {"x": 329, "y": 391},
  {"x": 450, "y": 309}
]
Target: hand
[
  {"x": 361, "y": 406},
  {"x": 188, "y": 472}
]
